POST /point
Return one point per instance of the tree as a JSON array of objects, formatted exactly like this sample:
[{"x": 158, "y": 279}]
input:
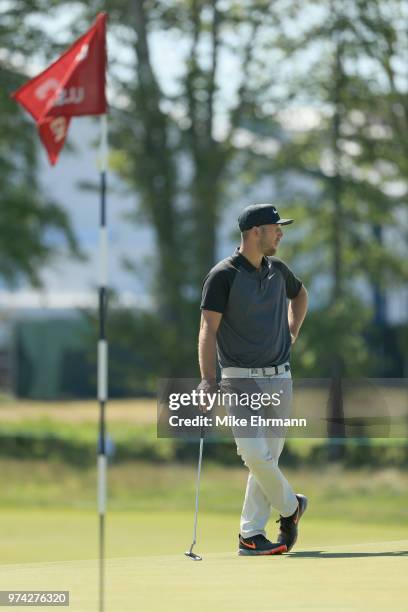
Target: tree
[
  {"x": 176, "y": 149},
  {"x": 29, "y": 221},
  {"x": 348, "y": 159},
  {"x": 345, "y": 158},
  {"x": 180, "y": 147}
]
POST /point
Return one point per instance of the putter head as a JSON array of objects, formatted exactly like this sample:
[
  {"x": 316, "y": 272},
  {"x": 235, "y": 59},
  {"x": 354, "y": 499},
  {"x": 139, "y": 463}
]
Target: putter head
[{"x": 193, "y": 556}]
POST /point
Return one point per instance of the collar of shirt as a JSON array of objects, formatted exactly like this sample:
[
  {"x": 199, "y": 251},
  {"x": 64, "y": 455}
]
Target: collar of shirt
[{"x": 247, "y": 264}]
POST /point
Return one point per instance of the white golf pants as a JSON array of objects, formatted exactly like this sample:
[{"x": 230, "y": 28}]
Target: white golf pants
[{"x": 267, "y": 487}]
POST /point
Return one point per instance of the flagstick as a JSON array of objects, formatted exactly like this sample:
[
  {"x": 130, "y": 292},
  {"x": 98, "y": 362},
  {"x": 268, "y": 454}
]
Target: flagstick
[{"x": 102, "y": 358}]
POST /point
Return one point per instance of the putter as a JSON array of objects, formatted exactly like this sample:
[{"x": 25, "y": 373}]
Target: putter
[{"x": 190, "y": 553}]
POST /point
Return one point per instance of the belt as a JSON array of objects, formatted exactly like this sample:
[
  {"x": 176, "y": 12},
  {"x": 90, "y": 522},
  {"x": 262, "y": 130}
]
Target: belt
[{"x": 255, "y": 372}]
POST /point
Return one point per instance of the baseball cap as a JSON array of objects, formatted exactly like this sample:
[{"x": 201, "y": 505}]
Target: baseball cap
[{"x": 260, "y": 214}]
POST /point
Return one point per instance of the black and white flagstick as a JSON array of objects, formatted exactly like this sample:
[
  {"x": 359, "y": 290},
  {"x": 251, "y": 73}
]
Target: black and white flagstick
[{"x": 102, "y": 357}]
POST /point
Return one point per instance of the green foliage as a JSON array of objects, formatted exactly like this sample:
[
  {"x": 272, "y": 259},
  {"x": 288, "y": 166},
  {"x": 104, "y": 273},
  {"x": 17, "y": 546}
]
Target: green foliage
[
  {"x": 339, "y": 64},
  {"x": 29, "y": 220},
  {"x": 317, "y": 102},
  {"x": 324, "y": 333},
  {"x": 143, "y": 346},
  {"x": 168, "y": 146},
  {"x": 347, "y": 201},
  {"x": 76, "y": 444}
]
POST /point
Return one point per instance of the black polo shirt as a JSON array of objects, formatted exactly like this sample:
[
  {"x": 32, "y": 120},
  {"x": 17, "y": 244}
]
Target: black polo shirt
[{"x": 254, "y": 330}]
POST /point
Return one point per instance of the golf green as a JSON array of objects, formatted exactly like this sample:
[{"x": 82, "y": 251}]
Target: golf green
[{"x": 334, "y": 566}]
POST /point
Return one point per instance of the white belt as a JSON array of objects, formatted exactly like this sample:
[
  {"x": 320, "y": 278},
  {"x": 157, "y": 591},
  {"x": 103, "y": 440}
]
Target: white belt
[{"x": 254, "y": 372}]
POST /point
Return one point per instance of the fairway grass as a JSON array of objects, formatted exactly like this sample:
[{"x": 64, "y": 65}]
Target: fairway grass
[{"x": 335, "y": 566}]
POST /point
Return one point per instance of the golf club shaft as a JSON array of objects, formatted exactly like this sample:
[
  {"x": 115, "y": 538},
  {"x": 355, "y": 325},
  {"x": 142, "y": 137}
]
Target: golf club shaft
[{"x": 200, "y": 456}]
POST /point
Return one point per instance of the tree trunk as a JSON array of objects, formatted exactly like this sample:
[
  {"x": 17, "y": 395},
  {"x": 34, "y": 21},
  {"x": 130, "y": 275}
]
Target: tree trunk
[
  {"x": 158, "y": 181},
  {"x": 336, "y": 429}
]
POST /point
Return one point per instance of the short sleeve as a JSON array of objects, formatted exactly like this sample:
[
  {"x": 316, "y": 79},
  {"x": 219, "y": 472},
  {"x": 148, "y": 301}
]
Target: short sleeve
[
  {"x": 215, "y": 291},
  {"x": 293, "y": 283}
]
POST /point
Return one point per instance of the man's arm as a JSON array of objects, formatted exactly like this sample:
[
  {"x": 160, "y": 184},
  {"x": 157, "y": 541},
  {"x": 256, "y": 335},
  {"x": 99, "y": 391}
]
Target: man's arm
[
  {"x": 297, "y": 312},
  {"x": 207, "y": 353}
]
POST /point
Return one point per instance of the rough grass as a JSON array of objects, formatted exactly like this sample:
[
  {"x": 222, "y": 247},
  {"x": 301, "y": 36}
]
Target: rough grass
[
  {"x": 366, "y": 495},
  {"x": 140, "y": 411}
]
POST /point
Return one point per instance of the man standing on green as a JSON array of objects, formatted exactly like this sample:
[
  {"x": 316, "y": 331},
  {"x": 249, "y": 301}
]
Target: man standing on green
[{"x": 252, "y": 309}]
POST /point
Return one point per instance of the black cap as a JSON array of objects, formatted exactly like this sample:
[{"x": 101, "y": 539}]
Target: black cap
[{"x": 260, "y": 214}]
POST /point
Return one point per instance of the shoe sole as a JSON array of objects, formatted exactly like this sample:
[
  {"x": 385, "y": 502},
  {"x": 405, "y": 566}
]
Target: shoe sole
[{"x": 263, "y": 553}]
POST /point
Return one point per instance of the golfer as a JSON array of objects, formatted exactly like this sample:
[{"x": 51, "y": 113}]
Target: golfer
[{"x": 252, "y": 309}]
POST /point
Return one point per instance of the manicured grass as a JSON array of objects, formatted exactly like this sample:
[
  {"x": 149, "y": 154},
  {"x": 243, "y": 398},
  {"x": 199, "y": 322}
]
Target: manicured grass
[
  {"x": 351, "y": 554},
  {"x": 47, "y": 535},
  {"x": 336, "y": 565}
]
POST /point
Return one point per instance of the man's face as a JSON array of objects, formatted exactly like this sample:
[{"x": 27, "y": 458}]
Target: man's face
[{"x": 269, "y": 238}]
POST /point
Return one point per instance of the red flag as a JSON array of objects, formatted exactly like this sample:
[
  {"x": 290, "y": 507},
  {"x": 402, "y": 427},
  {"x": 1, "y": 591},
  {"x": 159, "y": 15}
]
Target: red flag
[
  {"x": 74, "y": 85},
  {"x": 53, "y": 131}
]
